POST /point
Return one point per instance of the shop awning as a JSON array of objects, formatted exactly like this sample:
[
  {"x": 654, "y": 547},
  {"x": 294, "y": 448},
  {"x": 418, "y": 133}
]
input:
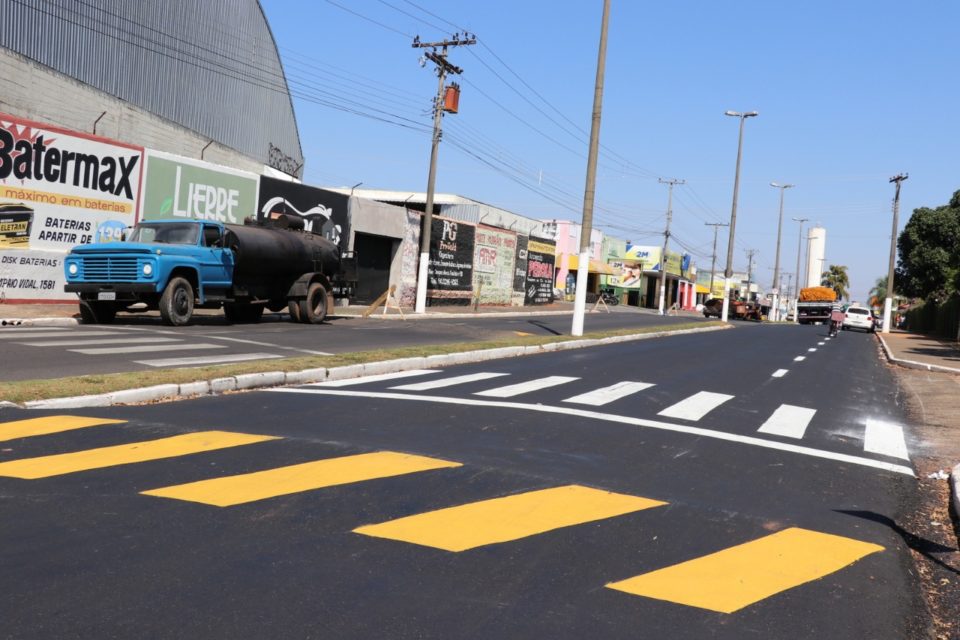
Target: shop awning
[{"x": 573, "y": 263}]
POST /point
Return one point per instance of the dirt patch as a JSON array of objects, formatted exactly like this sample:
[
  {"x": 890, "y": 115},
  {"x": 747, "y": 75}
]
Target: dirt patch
[{"x": 931, "y": 402}]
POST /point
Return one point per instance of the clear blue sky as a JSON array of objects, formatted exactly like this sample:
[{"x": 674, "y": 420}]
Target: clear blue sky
[{"x": 849, "y": 94}]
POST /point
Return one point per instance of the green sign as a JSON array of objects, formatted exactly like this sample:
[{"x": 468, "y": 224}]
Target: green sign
[{"x": 179, "y": 188}]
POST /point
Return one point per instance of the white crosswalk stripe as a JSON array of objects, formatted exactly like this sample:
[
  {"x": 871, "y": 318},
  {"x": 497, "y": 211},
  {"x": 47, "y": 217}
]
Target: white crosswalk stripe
[
  {"x": 886, "y": 439},
  {"x": 147, "y": 348},
  {"x": 91, "y": 342},
  {"x": 374, "y": 378},
  {"x": 526, "y": 387},
  {"x": 788, "y": 421},
  {"x": 16, "y": 334},
  {"x": 696, "y": 406},
  {"x": 447, "y": 382},
  {"x": 606, "y": 395},
  {"x": 203, "y": 360}
]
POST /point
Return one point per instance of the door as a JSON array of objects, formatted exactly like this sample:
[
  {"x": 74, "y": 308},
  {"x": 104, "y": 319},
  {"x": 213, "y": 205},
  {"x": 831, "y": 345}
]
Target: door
[{"x": 374, "y": 257}]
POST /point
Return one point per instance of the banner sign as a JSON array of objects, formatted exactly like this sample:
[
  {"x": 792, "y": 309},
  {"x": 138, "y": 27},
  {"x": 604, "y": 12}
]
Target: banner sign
[
  {"x": 178, "y": 187},
  {"x": 519, "y": 271},
  {"x": 450, "y": 273},
  {"x": 58, "y": 189},
  {"x": 495, "y": 253},
  {"x": 324, "y": 212},
  {"x": 541, "y": 258}
]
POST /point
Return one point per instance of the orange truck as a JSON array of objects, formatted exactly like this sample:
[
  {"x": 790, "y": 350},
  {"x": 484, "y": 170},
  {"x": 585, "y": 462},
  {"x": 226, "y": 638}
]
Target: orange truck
[{"x": 815, "y": 304}]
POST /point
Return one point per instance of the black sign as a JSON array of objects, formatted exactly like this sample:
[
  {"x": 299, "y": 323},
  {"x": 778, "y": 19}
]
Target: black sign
[
  {"x": 15, "y": 222},
  {"x": 540, "y": 266},
  {"x": 323, "y": 212},
  {"x": 520, "y": 268},
  {"x": 450, "y": 275}
]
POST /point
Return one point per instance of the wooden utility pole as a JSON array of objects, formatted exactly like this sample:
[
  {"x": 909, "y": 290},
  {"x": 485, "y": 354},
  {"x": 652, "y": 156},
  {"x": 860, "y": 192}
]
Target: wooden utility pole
[
  {"x": 439, "y": 58},
  {"x": 666, "y": 238},
  {"x": 713, "y": 260},
  {"x": 888, "y": 303}
]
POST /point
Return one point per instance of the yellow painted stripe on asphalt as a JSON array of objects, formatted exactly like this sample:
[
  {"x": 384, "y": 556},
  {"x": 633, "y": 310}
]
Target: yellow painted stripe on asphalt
[
  {"x": 734, "y": 578},
  {"x": 248, "y": 487},
  {"x": 501, "y": 519},
  {"x": 49, "y": 424},
  {"x": 55, "y": 465}
]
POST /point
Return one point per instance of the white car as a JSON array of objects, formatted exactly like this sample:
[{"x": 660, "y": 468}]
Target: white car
[{"x": 858, "y": 318}]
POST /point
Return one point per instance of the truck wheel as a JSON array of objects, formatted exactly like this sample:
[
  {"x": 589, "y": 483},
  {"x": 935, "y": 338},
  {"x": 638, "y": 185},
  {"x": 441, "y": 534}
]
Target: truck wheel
[
  {"x": 293, "y": 308},
  {"x": 313, "y": 309},
  {"x": 97, "y": 312},
  {"x": 176, "y": 303},
  {"x": 242, "y": 312}
]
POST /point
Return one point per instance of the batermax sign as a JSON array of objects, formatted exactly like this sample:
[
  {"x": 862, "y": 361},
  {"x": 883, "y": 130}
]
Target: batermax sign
[{"x": 38, "y": 157}]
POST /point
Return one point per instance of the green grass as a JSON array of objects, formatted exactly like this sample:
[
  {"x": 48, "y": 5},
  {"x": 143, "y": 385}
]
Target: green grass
[{"x": 26, "y": 390}]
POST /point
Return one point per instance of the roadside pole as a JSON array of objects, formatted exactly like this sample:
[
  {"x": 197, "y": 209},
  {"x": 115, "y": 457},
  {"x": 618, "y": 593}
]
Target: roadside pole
[
  {"x": 666, "y": 239},
  {"x": 888, "y": 302}
]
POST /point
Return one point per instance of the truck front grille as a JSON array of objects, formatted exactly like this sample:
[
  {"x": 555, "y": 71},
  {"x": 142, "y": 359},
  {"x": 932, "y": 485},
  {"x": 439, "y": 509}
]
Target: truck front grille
[{"x": 109, "y": 268}]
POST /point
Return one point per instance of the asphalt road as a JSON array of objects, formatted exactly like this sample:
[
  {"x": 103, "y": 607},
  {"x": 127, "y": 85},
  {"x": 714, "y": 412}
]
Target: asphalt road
[
  {"x": 501, "y": 501},
  {"x": 140, "y": 343}
]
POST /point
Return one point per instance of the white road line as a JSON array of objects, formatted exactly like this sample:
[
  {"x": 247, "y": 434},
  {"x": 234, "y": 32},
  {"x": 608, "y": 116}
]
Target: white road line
[
  {"x": 779, "y": 373},
  {"x": 202, "y": 360},
  {"x": 821, "y": 343},
  {"x": 800, "y": 358},
  {"x": 606, "y": 395},
  {"x": 448, "y": 382},
  {"x": 27, "y": 335},
  {"x": 103, "y": 351},
  {"x": 608, "y": 417},
  {"x": 268, "y": 344},
  {"x": 696, "y": 406},
  {"x": 812, "y": 349},
  {"x": 374, "y": 378},
  {"x": 79, "y": 343},
  {"x": 525, "y": 387},
  {"x": 886, "y": 439},
  {"x": 789, "y": 421}
]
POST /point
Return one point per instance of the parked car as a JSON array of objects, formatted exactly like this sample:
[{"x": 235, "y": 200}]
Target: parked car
[
  {"x": 713, "y": 308},
  {"x": 858, "y": 318}
]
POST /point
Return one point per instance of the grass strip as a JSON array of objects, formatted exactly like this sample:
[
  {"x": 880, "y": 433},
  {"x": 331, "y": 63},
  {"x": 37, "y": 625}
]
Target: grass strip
[{"x": 26, "y": 390}]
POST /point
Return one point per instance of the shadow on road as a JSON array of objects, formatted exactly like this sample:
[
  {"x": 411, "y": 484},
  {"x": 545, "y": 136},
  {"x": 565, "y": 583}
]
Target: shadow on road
[{"x": 921, "y": 545}]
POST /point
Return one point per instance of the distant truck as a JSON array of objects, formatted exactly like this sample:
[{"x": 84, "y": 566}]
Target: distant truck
[
  {"x": 178, "y": 265},
  {"x": 814, "y": 304}
]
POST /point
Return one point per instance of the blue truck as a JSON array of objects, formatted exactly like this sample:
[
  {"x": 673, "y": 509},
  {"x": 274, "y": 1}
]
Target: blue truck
[{"x": 177, "y": 265}]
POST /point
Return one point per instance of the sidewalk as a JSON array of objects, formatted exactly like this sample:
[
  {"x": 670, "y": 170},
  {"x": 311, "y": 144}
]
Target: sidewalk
[{"x": 921, "y": 352}]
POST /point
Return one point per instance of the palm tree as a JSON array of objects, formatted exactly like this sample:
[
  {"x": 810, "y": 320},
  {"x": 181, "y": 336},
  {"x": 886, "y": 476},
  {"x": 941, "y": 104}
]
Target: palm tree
[
  {"x": 879, "y": 292},
  {"x": 836, "y": 278}
]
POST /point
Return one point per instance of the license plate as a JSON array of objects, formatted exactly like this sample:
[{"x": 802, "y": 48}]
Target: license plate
[{"x": 107, "y": 295}]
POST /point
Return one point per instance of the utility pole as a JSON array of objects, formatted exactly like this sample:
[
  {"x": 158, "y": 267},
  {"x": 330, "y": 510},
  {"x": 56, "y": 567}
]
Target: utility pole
[
  {"x": 586, "y": 225},
  {"x": 443, "y": 68},
  {"x": 888, "y": 303},
  {"x": 775, "y": 306},
  {"x": 728, "y": 271},
  {"x": 750, "y": 253},
  {"x": 796, "y": 314},
  {"x": 713, "y": 260},
  {"x": 666, "y": 239}
]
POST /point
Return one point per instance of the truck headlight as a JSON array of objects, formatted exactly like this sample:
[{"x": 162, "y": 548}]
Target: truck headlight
[
  {"x": 147, "y": 269},
  {"x": 73, "y": 268}
]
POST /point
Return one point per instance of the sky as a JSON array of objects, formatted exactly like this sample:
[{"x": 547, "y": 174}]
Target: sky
[{"x": 849, "y": 94}]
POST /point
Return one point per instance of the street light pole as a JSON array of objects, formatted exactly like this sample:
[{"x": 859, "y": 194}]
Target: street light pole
[
  {"x": 586, "y": 226},
  {"x": 796, "y": 301},
  {"x": 888, "y": 302},
  {"x": 775, "y": 303},
  {"x": 728, "y": 271},
  {"x": 666, "y": 239}
]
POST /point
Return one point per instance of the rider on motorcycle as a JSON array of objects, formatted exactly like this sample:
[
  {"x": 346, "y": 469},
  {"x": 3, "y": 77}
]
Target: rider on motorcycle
[{"x": 836, "y": 318}]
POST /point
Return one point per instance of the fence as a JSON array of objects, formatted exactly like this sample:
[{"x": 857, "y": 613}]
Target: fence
[{"x": 941, "y": 320}]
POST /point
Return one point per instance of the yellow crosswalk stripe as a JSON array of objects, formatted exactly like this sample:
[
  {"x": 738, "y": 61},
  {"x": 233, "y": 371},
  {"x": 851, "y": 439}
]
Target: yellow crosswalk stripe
[
  {"x": 55, "y": 465},
  {"x": 734, "y": 578},
  {"x": 49, "y": 424},
  {"x": 249, "y": 487},
  {"x": 509, "y": 518}
]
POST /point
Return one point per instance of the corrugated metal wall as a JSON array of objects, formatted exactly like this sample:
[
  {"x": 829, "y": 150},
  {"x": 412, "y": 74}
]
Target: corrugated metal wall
[{"x": 208, "y": 65}]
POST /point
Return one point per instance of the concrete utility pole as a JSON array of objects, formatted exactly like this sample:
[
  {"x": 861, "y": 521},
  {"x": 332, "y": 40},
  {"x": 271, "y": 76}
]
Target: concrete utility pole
[
  {"x": 443, "y": 68},
  {"x": 750, "y": 253},
  {"x": 666, "y": 239},
  {"x": 586, "y": 226},
  {"x": 888, "y": 303},
  {"x": 728, "y": 271},
  {"x": 796, "y": 300},
  {"x": 775, "y": 303},
  {"x": 713, "y": 260}
]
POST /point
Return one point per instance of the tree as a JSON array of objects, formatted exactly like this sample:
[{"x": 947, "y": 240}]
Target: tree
[
  {"x": 836, "y": 278},
  {"x": 879, "y": 292},
  {"x": 929, "y": 248}
]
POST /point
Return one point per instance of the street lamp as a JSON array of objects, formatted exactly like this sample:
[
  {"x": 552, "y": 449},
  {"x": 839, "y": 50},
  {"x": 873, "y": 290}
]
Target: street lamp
[
  {"x": 728, "y": 271},
  {"x": 796, "y": 306},
  {"x": 775, "y": 306}
]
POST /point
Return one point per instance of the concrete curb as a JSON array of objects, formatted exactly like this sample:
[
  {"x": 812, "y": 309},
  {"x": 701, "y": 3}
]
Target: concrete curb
[
  {"x": 912, "y": 364},
  {"x": 250, "y": 381},
  {"x": 955, "y": 498}
]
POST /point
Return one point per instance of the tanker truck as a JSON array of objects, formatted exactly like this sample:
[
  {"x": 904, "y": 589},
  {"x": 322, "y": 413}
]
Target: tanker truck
[{"x": 175, "y": 266}]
